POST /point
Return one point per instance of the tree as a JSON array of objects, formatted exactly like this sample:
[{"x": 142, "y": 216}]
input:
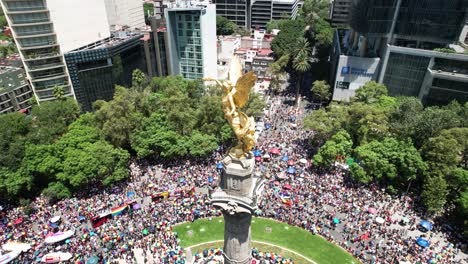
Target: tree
[
  {"x": 277, "y": 72},
  {"x": 276, "y": 24},
  {"x": 391, "y": 161},
  {"x": 139, "y": 79},
  {"x": 51, "y": 119},
  {"x": 321, "y": 91},
  {"x": 287, "y": 40},
  {"x": 432, "y": 121},
  {"x": 224, "y": 26},
  {"x": 326, "y": 122},
  {"x": 301, "y": 63},
  {"x": 148, "y": 9},
  {"x": 442, "y": 154},
  {"x": 3, "y": 21},
  {"x": 119, "y": 117},
  {"x": 323, "y": 38},
  {"x": 202, "y": 144},
  {"x": 370, "y": 92},
  {"x": 14, "y": 128},
  {"x": 56, "y": 191},
  {"x": 434, "y": 194},
  {"x": 368, "y": 122},
  {"x": 59, "y": 92},
  {"x": 242, "y": 31},
  {"x": 340, "y": 144},
  {"x": 406, "y": 117},
  {"x": 313, "y": 9},
  {"x": 255, "y": 106},
  {"x": 359, "y": 174},
  {"x": 97, "y": 162},
  {"x": 210, "y": 118}
]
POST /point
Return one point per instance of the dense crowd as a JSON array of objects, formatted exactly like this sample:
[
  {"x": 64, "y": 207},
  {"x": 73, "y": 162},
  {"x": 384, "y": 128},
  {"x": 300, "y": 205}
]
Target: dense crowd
[{"x": 325, "y": 203}]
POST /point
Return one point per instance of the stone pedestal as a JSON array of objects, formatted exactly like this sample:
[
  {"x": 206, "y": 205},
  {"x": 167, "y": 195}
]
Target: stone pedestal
[{"x": 237, "y": 200}]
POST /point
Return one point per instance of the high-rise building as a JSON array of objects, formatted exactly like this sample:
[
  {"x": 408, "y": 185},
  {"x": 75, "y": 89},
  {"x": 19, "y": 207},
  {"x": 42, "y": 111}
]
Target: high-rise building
[
  {"x": 44, "y": 30},
  {"x": 160, "y": 40},
  {"x": 410, "y": 46},
  {"x": 237, "y": 11},
  {"x": 339, "y": 13},
  {"x": 15, "y": 91},
  {"x": 96, "y": 68},
  {"x": 191, "y": 44},
  {"x": 257, "y": 13},
  {"x": 125, "y": 14}
]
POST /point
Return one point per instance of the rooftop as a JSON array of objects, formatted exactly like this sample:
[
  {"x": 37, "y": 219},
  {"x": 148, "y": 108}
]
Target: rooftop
[
  {"x": 187, "y": 4},
  {"x": 4, "y": 69},
  {"x": 116, "y": 39}
]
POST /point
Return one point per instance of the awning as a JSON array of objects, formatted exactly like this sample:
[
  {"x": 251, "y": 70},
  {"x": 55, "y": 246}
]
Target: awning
[
  {"x": 426, "y": 225},
  {"x": 422, "y": 242},
  {"x": 275, "y": 151}
]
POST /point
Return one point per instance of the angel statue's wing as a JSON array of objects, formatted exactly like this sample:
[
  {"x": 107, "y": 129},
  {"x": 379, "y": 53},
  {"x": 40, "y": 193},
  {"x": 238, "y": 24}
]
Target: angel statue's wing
[
  {"x": 243, "y": 86},
  {"x": 235, "y": 69}
]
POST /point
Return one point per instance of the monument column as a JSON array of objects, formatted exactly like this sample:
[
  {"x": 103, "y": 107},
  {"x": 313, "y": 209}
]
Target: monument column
[
  {"x": 237, "y": 245},
  {"x": 237, "y": 200},
  {"x": 237, "y": 195}
]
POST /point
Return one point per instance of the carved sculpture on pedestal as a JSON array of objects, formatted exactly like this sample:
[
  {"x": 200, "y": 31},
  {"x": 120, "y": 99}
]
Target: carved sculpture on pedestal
[{"x": 238, "y": 189}]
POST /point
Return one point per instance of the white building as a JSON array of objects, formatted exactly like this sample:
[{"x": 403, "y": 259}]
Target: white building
[
  {"x": 78, "y": 23},
  {"x": 45, "y": 29},
  {"x": 191, "y": 29},
  {"x": 125, "y": 13}
]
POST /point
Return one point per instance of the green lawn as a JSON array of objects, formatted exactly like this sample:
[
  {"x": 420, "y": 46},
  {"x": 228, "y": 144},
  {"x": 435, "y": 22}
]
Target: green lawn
[{"x": 290, "y": 237}]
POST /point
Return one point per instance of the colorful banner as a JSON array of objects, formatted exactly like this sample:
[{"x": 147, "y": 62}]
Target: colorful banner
[{"x": 118, "y": 210}]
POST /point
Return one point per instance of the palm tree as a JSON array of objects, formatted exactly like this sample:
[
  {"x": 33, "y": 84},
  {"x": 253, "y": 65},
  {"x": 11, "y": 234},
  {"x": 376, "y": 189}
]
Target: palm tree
[{"x": 301, "y": 63}]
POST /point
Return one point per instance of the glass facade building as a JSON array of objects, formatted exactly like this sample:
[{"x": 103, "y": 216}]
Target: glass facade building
[
  {"x": 97, "y": 68},
  {"x": 435, "y": 20},
  {"x": 405, "y": 74},
  {"x": 191, "y": 39},
  {"x": 439, "y": 20},
  {"x": 189, "y": 44}
]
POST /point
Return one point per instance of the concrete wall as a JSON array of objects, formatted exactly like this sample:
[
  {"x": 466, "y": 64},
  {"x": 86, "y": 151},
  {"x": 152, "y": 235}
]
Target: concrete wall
[
  {"x": 125, "y": 13},
  {"x": 78, "y": 23},
  {"x": 208, "y": 35},
  {"x": 352, "y": 73}
]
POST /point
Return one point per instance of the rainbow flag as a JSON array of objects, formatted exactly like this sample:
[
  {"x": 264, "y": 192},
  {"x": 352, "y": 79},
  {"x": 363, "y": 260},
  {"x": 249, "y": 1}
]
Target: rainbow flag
[{"x": 118, "y": 210}]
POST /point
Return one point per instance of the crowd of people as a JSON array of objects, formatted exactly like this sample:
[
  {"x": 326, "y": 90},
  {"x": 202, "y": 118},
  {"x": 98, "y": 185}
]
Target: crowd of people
[{"x": 325, "y": 203}]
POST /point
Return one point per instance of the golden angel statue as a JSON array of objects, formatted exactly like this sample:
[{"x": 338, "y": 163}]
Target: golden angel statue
[{"x": 236, "y": 94}]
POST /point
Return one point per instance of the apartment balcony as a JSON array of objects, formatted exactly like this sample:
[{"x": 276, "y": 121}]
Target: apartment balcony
[
  {"x": 51, "y": 87},
  {"x": 26, "y": 10},
  {"x": 30, "y": 22},
  {"x": 34, "y": 34},
  {"x": 38, "y": 45},
  {"x": 48, "y": 77},
  {"x": 48, "y": 66},
  {"x": 42, "y": 56},
  {"x": 455, "y": 74}
]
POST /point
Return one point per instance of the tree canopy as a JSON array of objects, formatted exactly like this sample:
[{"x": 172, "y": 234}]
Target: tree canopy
[
  {"x": 398, "y": 143},
  {"x": 224, "y": 26},
  {"x": 59, "y": 151}
]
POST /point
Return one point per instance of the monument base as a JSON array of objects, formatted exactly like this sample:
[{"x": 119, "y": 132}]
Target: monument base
[{"x": 237, "y": 243}]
